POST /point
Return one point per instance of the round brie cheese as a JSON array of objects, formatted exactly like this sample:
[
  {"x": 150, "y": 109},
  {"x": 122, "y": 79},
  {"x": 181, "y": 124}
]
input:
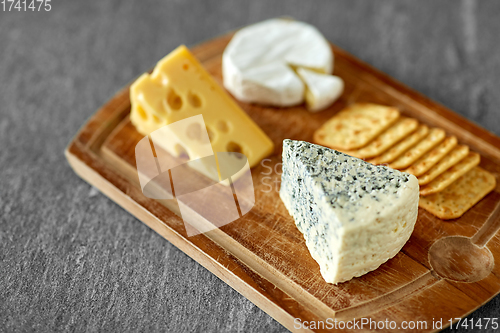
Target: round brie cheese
[{"x": 259, "y": 62}]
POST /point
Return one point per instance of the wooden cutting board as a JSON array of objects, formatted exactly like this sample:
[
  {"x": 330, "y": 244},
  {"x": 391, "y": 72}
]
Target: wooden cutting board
[{"x": 446, "y": 270}]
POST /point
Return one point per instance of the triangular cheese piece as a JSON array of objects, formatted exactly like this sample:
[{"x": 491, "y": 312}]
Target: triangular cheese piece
[
  {"x": 354, "y": 216},
  {"x": 321, "y": 89}
]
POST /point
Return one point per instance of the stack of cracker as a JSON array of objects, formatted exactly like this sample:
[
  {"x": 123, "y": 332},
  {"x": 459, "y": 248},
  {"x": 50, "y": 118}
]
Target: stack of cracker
[{"x": 450, "y": 179}]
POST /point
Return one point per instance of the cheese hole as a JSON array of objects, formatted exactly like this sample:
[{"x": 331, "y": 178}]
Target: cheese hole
[
  {"x": 174, "y": 100},
  {"x": 156, "y": 119},
  {"x": 181, "y": 151},
  {"x": 193, "y": 131},
  {"x": 211, "y": 134},
  {"x": 142, "y": 113},
  {"x": 185, "y": 67},
  {"x": 222, "y": 126},
  {"x": 194, "y": 100},
  {"x": 233, "y": 147}
]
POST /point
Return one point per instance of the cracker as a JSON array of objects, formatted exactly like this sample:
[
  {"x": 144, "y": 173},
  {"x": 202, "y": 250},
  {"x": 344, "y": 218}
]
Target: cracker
[
  {"x": 449, "y": 176},
  {"x": 426, "y": 162},
  {"x": 452, "y": 158},
  {"x": 401, "y": 128},
  {"x": 460, "y": 196},
  {"x": 402, "y": 146},
  {"x": 435, "y": 136},
  {"x": 355, "y": 126}
]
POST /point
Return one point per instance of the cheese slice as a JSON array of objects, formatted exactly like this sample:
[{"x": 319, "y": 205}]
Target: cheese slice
[
  {"x": 258, "y": 63},
  {"x": 354, "y": 216},
  {"x": 321, "y": 89},
  {"x": 180, "y": 88}
]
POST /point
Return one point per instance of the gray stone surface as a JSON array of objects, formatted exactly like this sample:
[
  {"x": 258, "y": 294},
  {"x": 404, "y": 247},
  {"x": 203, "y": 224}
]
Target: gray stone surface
[{"x": 71, "y": 259}]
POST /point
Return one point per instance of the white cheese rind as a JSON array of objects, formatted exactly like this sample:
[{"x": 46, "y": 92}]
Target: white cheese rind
[
  {"x": 257, "y": 63},
  {"x": 354, "y": 216},
  {"x": 321, "y": 89}
]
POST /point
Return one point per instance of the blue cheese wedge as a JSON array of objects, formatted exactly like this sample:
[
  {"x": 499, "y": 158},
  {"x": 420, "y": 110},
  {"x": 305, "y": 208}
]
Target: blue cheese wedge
[{"x": 354, "y": 216}]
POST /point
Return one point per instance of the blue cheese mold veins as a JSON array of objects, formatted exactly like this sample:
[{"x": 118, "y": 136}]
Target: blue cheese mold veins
[{"x": 354, "y": 216}]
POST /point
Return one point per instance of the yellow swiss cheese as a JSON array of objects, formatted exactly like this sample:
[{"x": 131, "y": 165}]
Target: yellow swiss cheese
[{"x": 178, "y": 88}]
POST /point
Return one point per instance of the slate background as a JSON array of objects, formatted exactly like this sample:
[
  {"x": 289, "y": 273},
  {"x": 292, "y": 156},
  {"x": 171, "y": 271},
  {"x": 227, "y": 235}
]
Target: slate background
[{"x": 71, "y": 259}]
